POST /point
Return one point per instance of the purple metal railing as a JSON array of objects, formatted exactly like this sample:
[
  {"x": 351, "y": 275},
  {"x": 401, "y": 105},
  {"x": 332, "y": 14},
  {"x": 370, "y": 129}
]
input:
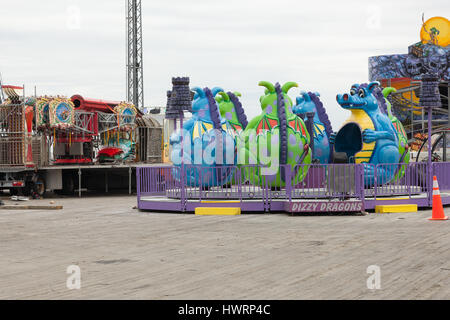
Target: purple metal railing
[
  {"x": 332, "y": 181},
  {"x": 393, "y": 183},
  {"x": 158, "y": 181},
  {"x": 328, "y": 181},
  {"x": 442, "y": 172}
]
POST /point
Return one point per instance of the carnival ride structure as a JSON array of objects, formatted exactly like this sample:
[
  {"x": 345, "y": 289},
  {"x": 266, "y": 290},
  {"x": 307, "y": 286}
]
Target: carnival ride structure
[
  {"x": 368, "y": 163},
  {"x": 44, "y": 140},
  {"x": 76, "y": 125}
]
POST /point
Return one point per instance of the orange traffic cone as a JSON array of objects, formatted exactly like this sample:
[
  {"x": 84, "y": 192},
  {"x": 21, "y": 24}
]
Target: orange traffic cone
[{"x": 438, "y": 209}]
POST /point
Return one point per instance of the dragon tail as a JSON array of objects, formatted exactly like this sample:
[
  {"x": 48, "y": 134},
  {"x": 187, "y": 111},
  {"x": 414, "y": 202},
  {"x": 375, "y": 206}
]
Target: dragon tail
[
  {"x": 240, "y": 113},
  {"x": 213, "y": 109},
  {"x": 322, "y": 113},
  {"x": 282, "y": 124}
]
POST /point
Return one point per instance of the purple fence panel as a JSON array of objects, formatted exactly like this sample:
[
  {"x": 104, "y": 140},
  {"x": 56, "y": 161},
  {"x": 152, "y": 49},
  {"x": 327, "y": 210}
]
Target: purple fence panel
[
  {"x": 327, "y": 181},
  {"x": 316, "y": 177},
  {"x": 157, "y": 180},
  {"x": 393, "y": 179},
  {"x": 442, "y": 172}
]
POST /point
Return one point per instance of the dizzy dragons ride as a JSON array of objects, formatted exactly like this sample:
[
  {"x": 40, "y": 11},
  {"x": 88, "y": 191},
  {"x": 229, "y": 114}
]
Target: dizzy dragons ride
[{"x": 262, "y": 147}]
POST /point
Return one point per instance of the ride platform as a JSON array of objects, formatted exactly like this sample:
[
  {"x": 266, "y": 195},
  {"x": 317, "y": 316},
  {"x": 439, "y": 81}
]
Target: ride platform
[{"x": 326, "y": 188}]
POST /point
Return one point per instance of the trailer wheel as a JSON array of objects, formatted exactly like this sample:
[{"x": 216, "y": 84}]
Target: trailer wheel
[{"x": 39, "y": 186}]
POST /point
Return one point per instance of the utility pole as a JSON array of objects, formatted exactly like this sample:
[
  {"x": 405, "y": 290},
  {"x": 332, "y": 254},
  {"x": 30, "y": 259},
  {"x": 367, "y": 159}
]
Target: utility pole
[{"x": 135, "y": 81}]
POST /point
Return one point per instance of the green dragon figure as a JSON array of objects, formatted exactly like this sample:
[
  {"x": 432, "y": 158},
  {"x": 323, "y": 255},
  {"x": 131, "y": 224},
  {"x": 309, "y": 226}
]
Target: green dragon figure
[
  {"x": 231, "y": 110},
  {"x": 275, "y": 138}
]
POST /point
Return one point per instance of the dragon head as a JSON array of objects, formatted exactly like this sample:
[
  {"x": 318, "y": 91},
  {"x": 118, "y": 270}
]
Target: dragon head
[
  {"x": 204, "y": 106},
  {"x": 226, "y": 106},
  {"x": 360, "y": 97},
  {"x": 305, "y": 104}
]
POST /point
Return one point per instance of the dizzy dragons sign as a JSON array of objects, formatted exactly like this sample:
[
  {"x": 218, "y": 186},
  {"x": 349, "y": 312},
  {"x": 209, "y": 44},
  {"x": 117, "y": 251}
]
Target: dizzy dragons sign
[{"x": 331, "y": 206}]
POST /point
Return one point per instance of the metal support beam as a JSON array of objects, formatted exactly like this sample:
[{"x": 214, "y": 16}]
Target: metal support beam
[
  {"x": 130, "y": 171},
  {"x": 79, "y": 182},
  {"x": 135, "y": 81},
  {"x": 106, "y": 182}
]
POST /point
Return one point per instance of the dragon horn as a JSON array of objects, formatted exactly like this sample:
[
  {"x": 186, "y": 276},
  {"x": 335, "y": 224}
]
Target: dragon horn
[
  {"x": 237, "y": 94},
  {"x": 216, "y": 90},
  {"x": 372, "y": 85},
  {"x": 199, "y": 92},
  {"x": 288, "y": 86},
  {"x": 306, "y": 96},
  {"x": 270, "y": 87},
  {"x": 387, "y": 91},
  {"x": 225, "y": 96},
  {"x": 299, "y": 100}
]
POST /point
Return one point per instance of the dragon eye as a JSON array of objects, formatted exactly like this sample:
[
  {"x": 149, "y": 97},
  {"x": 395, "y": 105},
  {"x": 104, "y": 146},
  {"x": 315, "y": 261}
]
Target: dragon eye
[
  {"x": 361, "y": 93},
  {"x": 353, "y": 92}
]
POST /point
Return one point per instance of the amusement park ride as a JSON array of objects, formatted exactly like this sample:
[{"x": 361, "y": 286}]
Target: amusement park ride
[
  {"x": 288, "y": 158},
  {"x": 43, "y": 138}
]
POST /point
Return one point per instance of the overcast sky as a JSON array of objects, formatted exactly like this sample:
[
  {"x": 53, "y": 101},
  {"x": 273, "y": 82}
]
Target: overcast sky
[{"x": 71, "y": 47}]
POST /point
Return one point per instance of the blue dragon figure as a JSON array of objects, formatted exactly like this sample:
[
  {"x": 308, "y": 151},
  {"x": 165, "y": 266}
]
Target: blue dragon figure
[
  {"x": 310, "y": 102},
  {"x": 368, "y": 136},
  {"x": 204, "y": 137}
]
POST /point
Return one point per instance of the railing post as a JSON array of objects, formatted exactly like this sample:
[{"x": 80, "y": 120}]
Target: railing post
[
  {"x": 266, "y": 192},
  {"x": 182, "y": 187},
  {"x": 239, "y": 182},
  {"x": 430, "y": 172},
  {"x": 287, "y": 174},
  {"x": 375, "y": 181},
  {"x": 138, "y": 184},
  {"x": 361, "y": 191},
  {"x": 129, "y": 179},
  {"x": 200, "y": 183},
  {"x": 408, "y": 169}
]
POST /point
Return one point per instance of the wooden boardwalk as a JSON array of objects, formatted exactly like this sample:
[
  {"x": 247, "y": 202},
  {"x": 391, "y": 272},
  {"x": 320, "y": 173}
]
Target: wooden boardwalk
[{"x": 127, "y": 254}]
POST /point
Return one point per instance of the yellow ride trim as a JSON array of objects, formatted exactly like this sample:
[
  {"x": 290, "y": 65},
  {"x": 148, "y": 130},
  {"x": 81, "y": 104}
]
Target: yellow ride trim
[
  {"x": 396, "y": 208},
  {"x": 365, "y": 122},
  {"x": 217, "y": 211}
]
